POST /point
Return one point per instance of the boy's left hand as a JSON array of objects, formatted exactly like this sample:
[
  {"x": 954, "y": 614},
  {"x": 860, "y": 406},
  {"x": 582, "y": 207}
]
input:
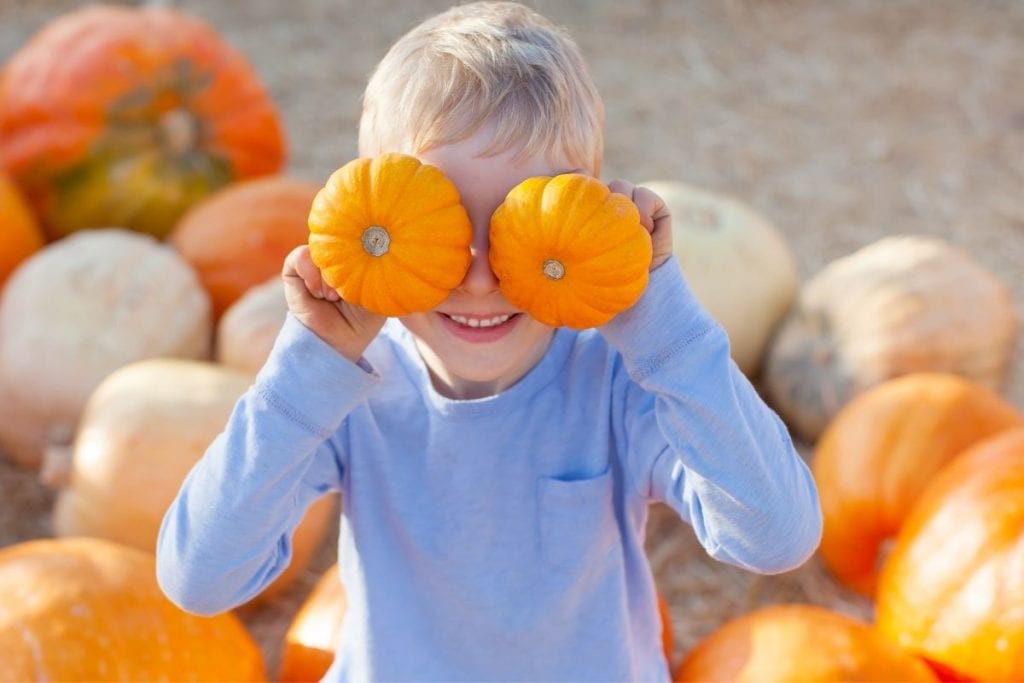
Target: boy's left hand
[{"x": 654, "y": 215}]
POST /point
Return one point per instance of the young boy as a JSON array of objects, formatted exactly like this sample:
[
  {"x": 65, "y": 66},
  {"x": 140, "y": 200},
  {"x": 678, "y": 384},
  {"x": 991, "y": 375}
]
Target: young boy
[{"x": 495, "y": 473}]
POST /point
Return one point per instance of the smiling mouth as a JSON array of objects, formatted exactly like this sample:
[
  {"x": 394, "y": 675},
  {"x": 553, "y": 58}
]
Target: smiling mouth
[{"x": 480, "y": 323}]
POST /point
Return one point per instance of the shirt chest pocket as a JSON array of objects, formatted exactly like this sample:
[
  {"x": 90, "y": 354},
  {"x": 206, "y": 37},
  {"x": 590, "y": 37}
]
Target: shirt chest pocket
[{"x": 577, "y": 521}]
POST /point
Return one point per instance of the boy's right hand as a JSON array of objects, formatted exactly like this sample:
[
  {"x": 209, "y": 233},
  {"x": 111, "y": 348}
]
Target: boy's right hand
[{"x": 348, "y": 329}]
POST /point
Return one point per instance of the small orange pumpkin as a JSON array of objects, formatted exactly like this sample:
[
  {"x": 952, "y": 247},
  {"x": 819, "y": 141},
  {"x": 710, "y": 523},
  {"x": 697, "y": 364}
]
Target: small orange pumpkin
[
  {"x": 795, "y": 642},
  {"x": 85, "y": 609},
  {"x": 20, "y": 235},
  {"x": 124, "y": 117},
  {"x": 882, "y": 449},
  {"x": 239, "y": 236},
  {"x": 952, "y": 589},
  {"x": 569, "y": 251},
  {"x": 390, "y": 234}
]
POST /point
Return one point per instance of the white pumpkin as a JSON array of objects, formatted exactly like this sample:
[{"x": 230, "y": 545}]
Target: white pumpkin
[
  {"x": 142, "y": 430},
  {"x": 739, "y": 266},
  {"x": 903, "y": 304},
  {"x": 248, "y": 328},
  {"x": 79, "y": 309}
]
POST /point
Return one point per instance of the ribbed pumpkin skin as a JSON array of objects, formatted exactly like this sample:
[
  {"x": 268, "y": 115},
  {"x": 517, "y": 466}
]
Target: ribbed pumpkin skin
[
  {"x": 90, "y": 610},
  {"x": 795, "y": 642},
  {"x": 118, "y": 116},
  {"x": 428, "y": 229},
  {"x": 595, "y": 236},
  {"x": 239, "y": 236},
  {"x": 20, "y": 234},
  {"x": 952, "y": 588},
  {"x": 882, "y": 449}
]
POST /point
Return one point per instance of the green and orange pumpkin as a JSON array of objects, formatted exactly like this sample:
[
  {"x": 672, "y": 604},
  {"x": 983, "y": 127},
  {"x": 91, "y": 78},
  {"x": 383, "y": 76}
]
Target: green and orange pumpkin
[{"x": 124, "y": 117}]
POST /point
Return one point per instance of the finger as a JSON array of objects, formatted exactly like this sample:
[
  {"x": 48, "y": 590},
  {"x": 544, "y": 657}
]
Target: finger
[
  {"x": 289, "y": 266},
  {"x": 652, "y": 207},
  {"x": 620, "y": 186},
  {"x": 308, "y": 272},
  {"x": 641, "y": 197}
]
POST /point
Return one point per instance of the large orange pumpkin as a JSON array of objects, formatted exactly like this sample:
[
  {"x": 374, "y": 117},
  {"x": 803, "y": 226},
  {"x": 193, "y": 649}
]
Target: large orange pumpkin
[
  {"x": 882, "y": 449},
  {"x": 238, "y": 237},
  {"x": 20, "y": 235},
  {"x": 952, "y": 589},
  {"x": 796, "y": 642},
  {"x": 90, "y": 610},
  {"x": 390, "y": 234},
  {"x": 120, "y": 116},
  {"x": 568, "y": 251}
]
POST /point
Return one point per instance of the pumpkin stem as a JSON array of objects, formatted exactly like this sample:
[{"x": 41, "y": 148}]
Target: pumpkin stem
[
  {"x": 553, "y": 269},
  {"x": 179, "y": 131},
  {"x": 376, "y": 240}
]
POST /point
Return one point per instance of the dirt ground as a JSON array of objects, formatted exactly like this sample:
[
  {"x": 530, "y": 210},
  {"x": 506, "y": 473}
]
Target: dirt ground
[{"x": 841, "y": 121}]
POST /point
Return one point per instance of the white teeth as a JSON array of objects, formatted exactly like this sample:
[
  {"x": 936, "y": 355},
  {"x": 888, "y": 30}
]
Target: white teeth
[{"x": 480, "y": 322}]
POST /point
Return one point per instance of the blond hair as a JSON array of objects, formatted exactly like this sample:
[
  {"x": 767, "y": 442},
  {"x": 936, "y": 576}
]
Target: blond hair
[{"x": 497, "y": 63}]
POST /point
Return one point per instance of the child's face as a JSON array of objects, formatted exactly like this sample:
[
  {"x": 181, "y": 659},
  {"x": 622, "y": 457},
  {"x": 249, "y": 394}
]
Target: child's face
[{"x": 470, "y": 347}]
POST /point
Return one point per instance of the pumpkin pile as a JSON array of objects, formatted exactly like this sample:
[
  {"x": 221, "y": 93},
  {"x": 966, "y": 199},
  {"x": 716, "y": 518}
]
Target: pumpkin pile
[
  {"x": 140, "y": 197},
  {"x": 145, "y": 221}
]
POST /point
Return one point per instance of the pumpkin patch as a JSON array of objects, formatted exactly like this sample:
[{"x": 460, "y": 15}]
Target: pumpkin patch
[{"x": 897, "y": 366}]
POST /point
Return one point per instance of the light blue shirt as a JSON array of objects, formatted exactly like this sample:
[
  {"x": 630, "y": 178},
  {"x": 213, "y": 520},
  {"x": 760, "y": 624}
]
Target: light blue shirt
[{"x": 500, "y": 538}]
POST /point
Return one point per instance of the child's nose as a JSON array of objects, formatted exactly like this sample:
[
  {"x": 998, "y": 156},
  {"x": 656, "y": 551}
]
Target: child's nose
[{"x": 480, "y": 279}]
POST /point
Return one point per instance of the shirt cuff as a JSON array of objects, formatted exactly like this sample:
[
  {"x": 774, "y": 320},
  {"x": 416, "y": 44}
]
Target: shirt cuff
[
  {"x": 667, "y": 318},
  {"x": 312, "y": 379}
]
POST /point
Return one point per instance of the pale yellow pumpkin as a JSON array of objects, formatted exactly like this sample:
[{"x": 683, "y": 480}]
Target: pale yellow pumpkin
[
  {"x": 247, "y": 330},
  {"x": 738, "y": 264},
  {"x": 142, "y": 430}
]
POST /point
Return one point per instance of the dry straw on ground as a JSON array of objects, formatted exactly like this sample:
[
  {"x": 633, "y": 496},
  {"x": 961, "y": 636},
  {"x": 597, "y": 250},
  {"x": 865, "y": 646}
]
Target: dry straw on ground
[{"x": 840, "y": 121}]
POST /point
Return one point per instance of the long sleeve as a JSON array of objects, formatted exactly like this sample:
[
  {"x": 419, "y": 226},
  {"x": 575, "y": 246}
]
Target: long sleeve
[
  {"x": 700, "y": 439},
  {"x": 227, "y": 533}
]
